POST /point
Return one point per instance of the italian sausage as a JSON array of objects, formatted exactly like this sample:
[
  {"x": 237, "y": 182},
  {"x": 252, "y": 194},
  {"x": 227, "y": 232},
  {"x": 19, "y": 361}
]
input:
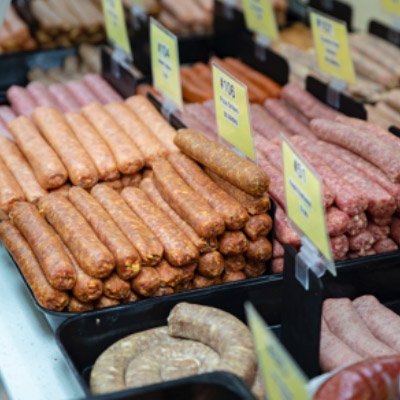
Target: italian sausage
[
  {"x": 234, "y": 263},
  {"x": 277, "y": 249},
  {"x": 337, "y": 221},
  {"x": 357, "y": 224},
  {"x": 188, "y": 272},
  {"x": 395, "y": 229},
  {"x": 55, "y": 130},
  {"x": 211, "y": 264},
  {"x": 46, "y": 245},
  {"x": 7, "y": 114},
  {"x": 200, "y": 281},
  {"x": 233, "y": 168},
  {"x": 116, "y": 288},
  {"x": 92, "y": 256},
  {"x": 265, "y": 124},
  {"x": 339, "y": 246},
  {"x": 102, "y": 90},
  {"x": 233, "y": 243},
  {"x": 10, "y": 190},
  {"x": 169, "y": 276},
  {"x": 284, "y": 233},
  {"x": 65, "y": 101},
  {"x": 178, "y": 249},
  {"x": 254, "y": 269},
  {"x": 378, "y": 232},
  {"x": 21, "y": 101},
  {"x": 193, "y": 209},
  {"x": 259, "y": 249},
  {"x": 76, "y": 306},
  {"x": 163, "y": 291},
  {"x": 233, "y": 277},
  {"x": 385, "y": 245},
  {"x": 278, "y": 265},
  {"x": 41, "y": 95},
  {"x": 45, "y": 294},
  {"x": 81, "y": 93},
  {"x": 131, "y": 180},
  {"x": 128, "y": 157},
  {"x": 126, "y": 257},
  {"x": 361, "y": 242},
  {"x": 146, "y": 243},
  {"x": 147, "y": 282},
  {"x": 105, "y": 302},
  {"x": 132, "y": 298},
  {"x": 48, "y": 168}
]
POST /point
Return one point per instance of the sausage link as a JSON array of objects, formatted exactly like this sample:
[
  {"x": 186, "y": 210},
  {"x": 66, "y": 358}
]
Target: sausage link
[
  {"x": 95, "y": 146},
  {"x": 200, "y": 281},
  {"x": 93, "y": 257},
  {"x": 76, "y": 306},
  {"x": 81, "y": 93},
  {"x": 21, "y": 101},
  {"x": 385, "y": 245},
  {"x": 234, "y": 215},
  {"x": 254, "y": 269},
  {"x": 10, "y": 190},
  {"x": 178, "y": 249},
  {"x": 163, "y": 291},
  {"x": 101, "y": 88},
  {"x": 361, "y": 242},
  {"x": 337, "y": 221},
  {"x": 259, "y": 249},
  {"x": 188, "y": 272},
  {"x": 19, "y": 167},
  {"x": 183, "y": 287},
  {"x": 233, "y": 243},
  {"x": 277, "y": 249},
  {"x": 226, "y": 164},
  {"x": 128, "y": 157},
  {"x": 105, "y": 302},
  {"x": 233, "y": 277},
  {"x": 49, "y": 170},
  {"x": 46, "y": 245},
  {"x": 169, "y": 276},
  {"x": 258, "y": 226},
  {"x": 126, "y": 257},
  {"x": 194, "y": 210},
  {"x": 131, "y": 180},
  {"x": 395, "y": 229},
  {"x": 278, "y": 265},
  {"x": 339, "y": 246},
  {"x": 41, "y": 95},
  {"x": 132, "y": 298},
  {"x": 116, "y": 288},
  {"x": 234, "y": 263},
  {"x": 45, "y": 294},
  {"x": 211, "y": 264},
  {"x": 147, "y": 282},
  {"x": 378, "y": 232},
  {"x": 64, "y": 189},
  {"x": 145, "y": 242},
  {"x": 64, "y": 100},
  {"x": 357, "y": 224}
]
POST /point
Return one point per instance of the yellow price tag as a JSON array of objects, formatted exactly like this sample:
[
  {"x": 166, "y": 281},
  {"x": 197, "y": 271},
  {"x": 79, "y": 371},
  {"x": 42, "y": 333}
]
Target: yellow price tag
[
  {"x": 283, "y": 379},
  {"x": 392, "y": 6},
  {"x": 304, "y": 203},
  {"x": 165, "y": 62},
  {"x": 115, "y": 25},
  {"x": 232, "y": 111},
  {"x": 260, "y": 18},
  {"x": 332, "y": 47}
]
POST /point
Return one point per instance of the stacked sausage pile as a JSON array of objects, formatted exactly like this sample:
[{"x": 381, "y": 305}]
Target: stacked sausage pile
[
  {"x": 14, "y": 33},
  {"x": 361, "y": 189},
  {"x": 66, "y": 23},
  {"x": 197, "y": 340},
  {"x": 184, "y": 228}
]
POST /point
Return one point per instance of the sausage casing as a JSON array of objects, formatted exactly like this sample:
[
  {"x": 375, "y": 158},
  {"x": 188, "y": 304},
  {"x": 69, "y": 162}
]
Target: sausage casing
[
  {"x": 211, "y": 264},
  {"x": 258, "y": 226},
  {"x": 233, "y": 243},
  {"x": 116, "y": 288},
  {"x": 169, "y": 276},
  {"x": 10, "y": 190},
  {"x": 147, "y": 282}
]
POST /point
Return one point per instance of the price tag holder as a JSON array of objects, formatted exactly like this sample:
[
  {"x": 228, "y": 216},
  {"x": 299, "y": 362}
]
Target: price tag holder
[
  {"x": 165, "y": 65},
  {"x": 116, "y": 28},
  {"x": 306, "y": 212},
  {"x": 282, "y": 377},
  {"x": 232, "y": 111},
  {"x": 260, "y": 19}
]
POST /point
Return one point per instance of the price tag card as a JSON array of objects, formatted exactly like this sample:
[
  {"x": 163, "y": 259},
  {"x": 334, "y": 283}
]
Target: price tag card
[
  {"x": 332, "y": 47},
  {"x": 283, "y": 379},
  {"x": 304, "y": 203},
  {"x": 392, "y": 6},
  {"x": 232, "y": 111},
  {"x": 116, "y": 27},
  {"x": 260, "y": 18},
  {"x": 165, "y": 62}
]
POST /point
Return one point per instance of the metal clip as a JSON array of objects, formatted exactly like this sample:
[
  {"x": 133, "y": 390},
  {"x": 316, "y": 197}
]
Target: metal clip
[
  {"x": 261, "y": 44},
  {"x": 167, "y": 108},
  {"x": 138, "y": 16},
  {"x": 334, "y": 89},
  {"x": 228, "y": 7},
  {"x": 117, "y": 60}
]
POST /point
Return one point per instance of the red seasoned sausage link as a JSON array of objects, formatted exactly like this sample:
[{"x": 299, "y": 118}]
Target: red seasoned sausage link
[
  {"x": 116, "y": 288},
  {"x": 233, "y": 243},
  {"x": 258, "y": 226},
  {"x": 259, "y": 249},
  {"x": 211, "y": 264},
  {"x": 147, "y": 282},
  {"x": 169, "y": 276},
  {"x": 10, "y": 190},
  {"x": 234, "y": 263}
]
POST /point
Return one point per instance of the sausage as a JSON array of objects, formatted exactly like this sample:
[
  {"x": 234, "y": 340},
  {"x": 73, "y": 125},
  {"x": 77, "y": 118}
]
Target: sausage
[
  {"x": 48, "y": 169},
  {"x": 306, "y": 103},
  {"x": 188, "y": 272},
  {"x": 142, "y": 136},
  {"x": 226, "y": 164},
  {"x": 10, "y": 190},
  {"x": 131, "y": 180},
  {"x": 163, "y": 291},
  {"x": 153, "y": 119},
  {"x": 278, "y": 265},
  {"x": 94, "y": 145},
  {"x": 22, "y": 172},
  {"x": 148, "y": 186},
  {"x": 233, "y": 277},
  {"x": 361, "y": 253},
  {"x": 265, "y": 124},
  {"x": 105, "y": 302},
  {"x": 132, "y": 298},
  {"x": 337, "y": 221},
  {"x": 339, "y": 246},
  {"x": 45, "y": 294},
  {"x": 289, "y": 120},
  {"x": 344, "y": 322},
  {"x": 65, "y": 101},
  {"x": 169, "y": 276},
  {"x": 4, "y": 132},
  {"x": 147, "y": 282},
  {"x": 178, "y": 249},
  {"x": 128, "y": 157},
  {"x": 362, "y": 241},
  {"x": 334, "y": 353},
  {"x": 365, "y": 145},
  {"x": 211, "y": 264},
  {"x": 102, "y": 90},
  {"x": 183, "y": 287},
  {"x": 395, "y": 229},
  {"x": 381, "y": 321},
  {"x": 254, "y": 269},
  {"x": 271, "y": 150},
  {"x": 64, "y": 189},
  {"x": 258, "y": 226},
  {"x": 21, "y": 101},
  {"x": 54, "y": 128},
  {"x": 234, "y": 263},
  {"x": 228, "y": 336},
  {"x": 372, "y": 378},
  {"x": 76, "y": 306},
  {"x": 92, "y": 256},
  {"x": 194, "y": 122},
  {"x": 277, "y": 249},
  {"x": 193, "y": 209},
  {"x": 126, "y": 257},
  {"x": 7, "y": 114},
  {"x": 357, "y": 224},
  {"x": 233, "y": 243},
  {"x": 116, "y": 288},
  {"x": 191, "y": 91},
  {"x": 284, "y": 233},
  {"x": 81, "y": 93},
  {"x": 200, "y": 281},
  {"x": 146, "y": 243},
  {"x": 234, "y": 215},
  {"x": 385, "y": 245},
  {"x": 41, "y": 95},
  {"x": 381, "y": 221},
  {"x": 259, "y": 249},
  {"x": 46, "y": 245},
  {"x": 205, "y": 114},
  {"x": 378, "y": 232}
]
